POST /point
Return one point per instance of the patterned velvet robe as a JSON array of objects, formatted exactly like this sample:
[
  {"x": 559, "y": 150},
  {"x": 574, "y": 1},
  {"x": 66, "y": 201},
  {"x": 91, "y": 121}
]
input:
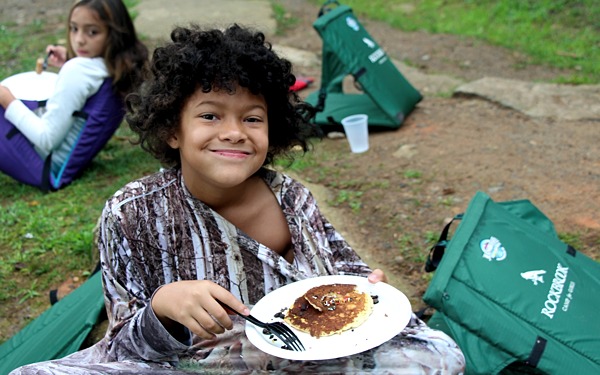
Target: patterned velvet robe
[{"x": 154, "y": 232}]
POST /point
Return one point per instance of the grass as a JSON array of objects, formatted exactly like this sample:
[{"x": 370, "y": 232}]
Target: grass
[
  {"x": 21, "y": 47},
  {"x": 282, "y": 17},
  {"x": 44, "y": 238},
  {"x": 558, "y": 33}
]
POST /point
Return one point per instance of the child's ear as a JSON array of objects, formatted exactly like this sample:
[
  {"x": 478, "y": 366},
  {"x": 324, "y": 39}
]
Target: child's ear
[{"x": 173, "y": 142}]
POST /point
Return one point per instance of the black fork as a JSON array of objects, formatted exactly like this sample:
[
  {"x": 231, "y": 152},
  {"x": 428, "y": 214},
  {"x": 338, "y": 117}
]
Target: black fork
[{"x": 283, "y": 332}]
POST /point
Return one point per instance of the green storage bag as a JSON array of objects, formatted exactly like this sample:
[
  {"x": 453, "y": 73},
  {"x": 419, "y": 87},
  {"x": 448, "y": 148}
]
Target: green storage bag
[
  {"x": 59, "y": 331},
  {"x": 348, "y": 49},
  {"x": 511, "y": 293}
]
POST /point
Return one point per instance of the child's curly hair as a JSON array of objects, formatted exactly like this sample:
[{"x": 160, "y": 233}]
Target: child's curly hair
[{"x": 217, "y": 60}]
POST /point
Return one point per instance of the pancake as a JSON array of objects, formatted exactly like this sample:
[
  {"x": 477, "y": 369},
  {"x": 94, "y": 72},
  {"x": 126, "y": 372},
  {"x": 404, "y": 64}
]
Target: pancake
[{"x": 330, "y": 309}]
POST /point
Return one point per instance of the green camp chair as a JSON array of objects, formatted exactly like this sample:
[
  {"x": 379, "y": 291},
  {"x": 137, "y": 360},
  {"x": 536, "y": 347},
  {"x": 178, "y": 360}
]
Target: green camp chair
[
  {"x": 514, "y": 297},
  {"x": 59, "y": 331},
  {"x": 348, "y": 49}
]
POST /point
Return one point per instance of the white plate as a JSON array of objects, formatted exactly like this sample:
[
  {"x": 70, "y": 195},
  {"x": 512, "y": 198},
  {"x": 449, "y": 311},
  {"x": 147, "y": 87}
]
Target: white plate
[
  {"x": 390, "y": 315},
  {"x": 31, "y": 86}
]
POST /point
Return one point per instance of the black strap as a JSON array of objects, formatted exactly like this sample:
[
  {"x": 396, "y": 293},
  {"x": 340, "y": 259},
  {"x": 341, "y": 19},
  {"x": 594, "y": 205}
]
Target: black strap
[
  {"x": 45, "y": 185},
  {"x": 360, "y": 72},
  {"x": 12, "y": 132},
  {"x": 80, "y": 114},
  {"x": 571, "y": 251},
  {"x": 422, "y": 312},
  {"x": 53, "y": 294},
  {"x": 326, "y": 7},
  {"x": 536, "y": 352},
  {"x": 321, "y": 102},
  {"x": 356, "y": 76},
  {"x": 437, "y": 251}
]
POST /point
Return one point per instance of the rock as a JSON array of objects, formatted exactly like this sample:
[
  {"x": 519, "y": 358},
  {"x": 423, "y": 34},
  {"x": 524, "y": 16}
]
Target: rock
[
  {"x": 406, "y": 151},
  {"x": 567, "y": 102}
]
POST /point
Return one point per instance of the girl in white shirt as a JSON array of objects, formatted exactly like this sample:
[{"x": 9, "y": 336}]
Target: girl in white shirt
[{"x": 102, "y": 43}]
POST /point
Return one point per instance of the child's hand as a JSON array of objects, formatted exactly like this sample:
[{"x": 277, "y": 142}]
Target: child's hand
[
  {"x": 58, "y": 55},
  {"x": 6, "y": 96},
  {"x": 377, "y": 275},
  {"x": 194, "y": 304}
]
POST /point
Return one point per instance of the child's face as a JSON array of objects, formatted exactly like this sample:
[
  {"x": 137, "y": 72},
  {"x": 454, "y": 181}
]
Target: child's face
[
  {"x": 87, "y": 32},
  {"x": 222, "y": 139}
]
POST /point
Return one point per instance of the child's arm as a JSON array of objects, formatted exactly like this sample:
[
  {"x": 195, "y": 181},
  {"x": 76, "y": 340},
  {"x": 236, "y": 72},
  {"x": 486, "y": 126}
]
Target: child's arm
[
  {"x": 77, "y": 81},
  {"x": 134, "y": 332},
  {"x": 6, "y": 96},
  {"x": 147, "y": 321}
]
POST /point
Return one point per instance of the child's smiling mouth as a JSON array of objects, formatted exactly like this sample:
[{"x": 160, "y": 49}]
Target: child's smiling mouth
[{"x": 235, "y": 154}]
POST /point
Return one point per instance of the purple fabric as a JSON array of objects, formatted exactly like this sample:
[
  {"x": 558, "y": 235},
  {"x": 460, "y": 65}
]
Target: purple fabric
[
  {"x": 104, "y": 112},
  {"x": 18, "y": 158}
]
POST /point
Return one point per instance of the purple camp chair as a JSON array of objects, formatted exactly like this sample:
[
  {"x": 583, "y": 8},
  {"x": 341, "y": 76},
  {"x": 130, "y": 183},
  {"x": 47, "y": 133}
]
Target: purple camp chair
[{"x": 103, "y": 113}]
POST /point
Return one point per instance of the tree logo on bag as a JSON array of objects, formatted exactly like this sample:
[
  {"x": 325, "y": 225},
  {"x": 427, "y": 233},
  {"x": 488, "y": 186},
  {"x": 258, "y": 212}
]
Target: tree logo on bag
[
  {"x": 351, "y": 22},
  {"x": 534, "y": 276},
  {"x": 493, "y": 249}
]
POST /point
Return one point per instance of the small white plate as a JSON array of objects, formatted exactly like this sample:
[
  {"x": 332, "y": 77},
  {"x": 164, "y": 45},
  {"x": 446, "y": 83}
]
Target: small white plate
[
  {"x": 389, "y": 317},
  {"x": 31, "y": 86}
]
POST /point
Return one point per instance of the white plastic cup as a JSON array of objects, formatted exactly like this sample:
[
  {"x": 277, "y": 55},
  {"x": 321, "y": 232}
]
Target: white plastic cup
[{"x": 356, "y": 128}]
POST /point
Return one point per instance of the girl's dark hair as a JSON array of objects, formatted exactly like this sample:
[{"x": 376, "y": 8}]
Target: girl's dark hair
[
  {"x": 125, "y": 55},
  {"x": 217, "y": 60}
]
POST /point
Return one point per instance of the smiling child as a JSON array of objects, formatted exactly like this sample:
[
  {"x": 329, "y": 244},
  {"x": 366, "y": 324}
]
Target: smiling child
[{"x": 220, "y": 224}]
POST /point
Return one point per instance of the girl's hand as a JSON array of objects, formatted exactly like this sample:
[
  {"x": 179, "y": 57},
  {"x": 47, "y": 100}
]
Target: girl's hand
[
  {"x": 6, "y": 96},
  {"x": 58, "y": 55},
  {"x": 194, "y": 304},
  {"x": 376, "y": 276}
]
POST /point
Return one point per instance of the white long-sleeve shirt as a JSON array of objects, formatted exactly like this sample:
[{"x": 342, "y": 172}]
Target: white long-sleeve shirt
[{"x": 56, "y": 130}]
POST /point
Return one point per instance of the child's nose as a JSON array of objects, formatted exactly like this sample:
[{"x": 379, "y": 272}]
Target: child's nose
[
  {"x": 233, "y": 131},
  {"x": 79, "y": 38}
]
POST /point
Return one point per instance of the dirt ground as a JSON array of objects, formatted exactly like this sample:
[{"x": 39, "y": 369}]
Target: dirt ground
[
  {"x": 456, "y": 146},
  {"x": 449, "y": 148}
]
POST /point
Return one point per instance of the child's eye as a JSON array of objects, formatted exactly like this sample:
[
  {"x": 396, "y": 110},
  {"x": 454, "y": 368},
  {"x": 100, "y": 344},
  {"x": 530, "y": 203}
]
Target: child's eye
[
  {"x": 73, "y": 29},
  {"x": 208, "y": 116},
  {"x": 254, "y": 119},
  {"x": 92, "y": 32}
]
